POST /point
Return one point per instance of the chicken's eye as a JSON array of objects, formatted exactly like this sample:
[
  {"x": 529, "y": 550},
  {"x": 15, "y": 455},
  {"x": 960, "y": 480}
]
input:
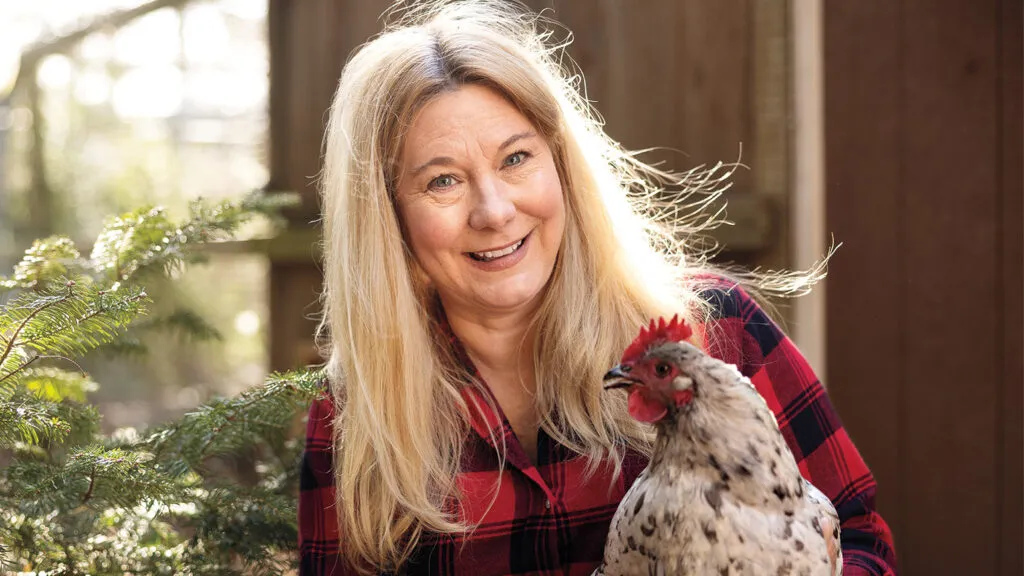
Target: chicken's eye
[{"x": 662, "y": 369}]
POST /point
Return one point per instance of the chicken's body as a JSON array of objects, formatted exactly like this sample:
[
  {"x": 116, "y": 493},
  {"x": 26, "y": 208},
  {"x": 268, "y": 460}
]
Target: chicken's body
[{"x": 722, "y": 494}]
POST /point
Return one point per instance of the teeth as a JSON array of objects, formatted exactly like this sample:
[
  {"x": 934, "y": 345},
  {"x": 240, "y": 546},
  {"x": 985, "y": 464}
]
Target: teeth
[{"x": 498, "y": 253}]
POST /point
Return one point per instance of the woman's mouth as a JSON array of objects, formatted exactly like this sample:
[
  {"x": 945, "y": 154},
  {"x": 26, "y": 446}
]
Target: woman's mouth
[
  {"x": 493, "y": 255},
  {"x": 502, "y": 257}
]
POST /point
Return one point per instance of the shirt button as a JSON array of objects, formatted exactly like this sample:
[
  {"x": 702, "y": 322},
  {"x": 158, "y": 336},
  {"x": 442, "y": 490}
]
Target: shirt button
[{"x": 547, "y": 504}]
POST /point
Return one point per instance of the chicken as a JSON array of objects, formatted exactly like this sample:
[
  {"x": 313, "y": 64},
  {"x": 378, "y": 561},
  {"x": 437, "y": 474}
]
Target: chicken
[{"x": 722, "y": 493}]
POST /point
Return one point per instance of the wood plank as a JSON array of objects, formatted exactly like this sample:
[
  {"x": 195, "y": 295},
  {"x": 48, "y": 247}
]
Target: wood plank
[
  {"x": 1011, "y": 510},
  {"x": 310, "y": 41},
  {"x": 714, "y": 72},
  {"x": 952, "y": 363},
  {"x": 278, "y": 24},
  {"x": 767, "y": 150},
  {"x": 294, "y": 289},
  {"x": 864, "y": 210},
  {"x": 297, "y": 130}
]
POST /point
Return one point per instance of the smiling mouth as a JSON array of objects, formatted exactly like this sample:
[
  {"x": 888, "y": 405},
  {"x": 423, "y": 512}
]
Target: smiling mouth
[{"x": 495, "y": 254}]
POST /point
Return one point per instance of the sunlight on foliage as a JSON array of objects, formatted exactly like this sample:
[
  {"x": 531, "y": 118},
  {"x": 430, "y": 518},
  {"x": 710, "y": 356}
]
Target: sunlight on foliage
[{"x": 175, "y": 499}]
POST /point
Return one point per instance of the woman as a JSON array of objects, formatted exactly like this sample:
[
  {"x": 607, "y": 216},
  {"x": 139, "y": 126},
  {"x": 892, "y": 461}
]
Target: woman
[{"x": 489, "y": 253}]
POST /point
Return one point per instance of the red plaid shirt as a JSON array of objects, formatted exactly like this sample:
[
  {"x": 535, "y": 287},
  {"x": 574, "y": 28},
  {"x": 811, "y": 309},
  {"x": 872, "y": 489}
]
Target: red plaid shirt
[{"x": 547, "y": 520}]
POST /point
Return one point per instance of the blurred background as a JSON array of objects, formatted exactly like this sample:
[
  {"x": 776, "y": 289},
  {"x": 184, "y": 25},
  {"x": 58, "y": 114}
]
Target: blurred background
[
  {"x": 109, "y": 105},
  {"x": 892, "y": 127}
]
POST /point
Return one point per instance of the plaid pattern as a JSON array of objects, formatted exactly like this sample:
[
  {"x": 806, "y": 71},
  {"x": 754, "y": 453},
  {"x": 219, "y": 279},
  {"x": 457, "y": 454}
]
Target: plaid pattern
[{"x": 546, "y": 520}]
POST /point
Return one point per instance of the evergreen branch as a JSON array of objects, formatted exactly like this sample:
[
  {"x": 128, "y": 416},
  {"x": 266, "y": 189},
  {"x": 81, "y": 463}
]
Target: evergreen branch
[
  {"x": 146, "y": 239},
  {"x": 251, "y": 525},
  {"x": 73, "y": 501},
  {"x": 29, "y": 417},
  {"x": 31, "y": 360},
  {"x": 132, "y": 477},
  {"x": 46, "y": 303},
  {"x": 262, "y": 411},
  {"x": 125, "y": 345},
  {"x": 18, "y": 368},
  {"x": 92, "y": 484},
  {"x": 24, "y": 421},
  {"x": 84, "y": 320},
  {"x": 71, "y": 320},
  {"x": 44, "y": 261}
]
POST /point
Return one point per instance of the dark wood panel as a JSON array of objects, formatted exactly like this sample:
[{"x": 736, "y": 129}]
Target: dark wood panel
[
  {"x": 714, "y": 72},
  {"x": 923, "y": 161},
  {"x": 690, "y": 64},
  {"x": 1011, "y": 490},
  {"x": 300, "y": 129},
  {"x": 768, "y": 149},
  {"x": 294, "y": 288},
  {"x": 865, "y": 211},
  {"x": 278, "y": 24},
  {"x": 952, "y": 365}
]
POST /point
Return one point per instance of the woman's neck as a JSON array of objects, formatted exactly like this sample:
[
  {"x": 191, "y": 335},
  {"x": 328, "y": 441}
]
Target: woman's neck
[{"x": 500, "y": 345}]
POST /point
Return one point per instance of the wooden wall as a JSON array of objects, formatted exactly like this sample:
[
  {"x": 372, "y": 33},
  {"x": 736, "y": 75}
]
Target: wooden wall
[
  {"x": 706, "y": 82},
  {"x": 923, "y": 168}
]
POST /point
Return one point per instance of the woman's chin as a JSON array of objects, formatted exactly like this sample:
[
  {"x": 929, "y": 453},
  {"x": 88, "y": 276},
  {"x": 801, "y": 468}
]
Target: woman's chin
[
  {"x": 510, "y": 301},
  {"x": 511, "y": 297},
  {"x": 515, "y": 293}
]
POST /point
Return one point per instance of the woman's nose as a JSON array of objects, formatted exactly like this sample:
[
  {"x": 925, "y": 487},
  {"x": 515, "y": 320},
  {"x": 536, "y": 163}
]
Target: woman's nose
[{"x": 493, "y": 205}]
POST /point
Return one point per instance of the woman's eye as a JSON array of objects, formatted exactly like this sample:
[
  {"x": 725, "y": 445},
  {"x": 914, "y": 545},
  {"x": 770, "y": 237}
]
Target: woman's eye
[
  {"x": 662, "y": 369},
  {"x": 441, "y": 182},
  {"x": 516, "y": 158}
]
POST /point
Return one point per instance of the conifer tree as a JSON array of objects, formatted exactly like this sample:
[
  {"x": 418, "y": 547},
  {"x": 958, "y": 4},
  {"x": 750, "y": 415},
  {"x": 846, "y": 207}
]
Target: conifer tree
[{"x": 73, "y": 501}]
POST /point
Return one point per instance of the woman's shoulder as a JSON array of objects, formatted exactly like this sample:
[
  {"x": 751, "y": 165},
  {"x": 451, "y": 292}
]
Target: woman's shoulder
[
  {"x": 737, "y": 329},
  {"x": 725, "y": 297},
  {"x": 320, "y": 421}
]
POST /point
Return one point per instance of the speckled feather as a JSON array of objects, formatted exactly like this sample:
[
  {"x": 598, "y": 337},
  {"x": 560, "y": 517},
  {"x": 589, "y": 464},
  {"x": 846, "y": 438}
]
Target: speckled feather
[{"x": 722, "y": 494}]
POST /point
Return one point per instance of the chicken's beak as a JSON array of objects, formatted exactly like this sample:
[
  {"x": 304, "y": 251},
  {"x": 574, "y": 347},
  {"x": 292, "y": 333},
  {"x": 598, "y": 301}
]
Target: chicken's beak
[{"x": 619, "y": 377}]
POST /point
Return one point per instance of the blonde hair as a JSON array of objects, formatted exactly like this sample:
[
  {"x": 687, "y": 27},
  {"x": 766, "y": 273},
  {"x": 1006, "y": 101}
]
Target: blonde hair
[{"x": 400, "y": 418}]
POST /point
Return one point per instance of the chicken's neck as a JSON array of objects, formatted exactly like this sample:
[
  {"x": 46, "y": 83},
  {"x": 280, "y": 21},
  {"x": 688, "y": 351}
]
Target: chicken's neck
[{"x": 732, "y": 440}]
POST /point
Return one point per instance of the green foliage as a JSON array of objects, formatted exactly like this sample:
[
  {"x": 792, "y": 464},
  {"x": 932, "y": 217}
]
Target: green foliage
[{"x": 211, "y": 493}]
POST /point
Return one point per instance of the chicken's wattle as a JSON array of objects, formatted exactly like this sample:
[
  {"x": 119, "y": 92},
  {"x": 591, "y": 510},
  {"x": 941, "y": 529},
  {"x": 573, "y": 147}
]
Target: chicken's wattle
[{"x": 645, "y": 406}]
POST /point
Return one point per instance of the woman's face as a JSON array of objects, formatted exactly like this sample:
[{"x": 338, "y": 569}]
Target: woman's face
[{"x": 481, "y": 201}]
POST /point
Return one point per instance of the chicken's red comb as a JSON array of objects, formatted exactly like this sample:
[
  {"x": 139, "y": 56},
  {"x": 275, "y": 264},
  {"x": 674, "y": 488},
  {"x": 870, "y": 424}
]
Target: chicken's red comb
[{"x": 674, "y": 331}]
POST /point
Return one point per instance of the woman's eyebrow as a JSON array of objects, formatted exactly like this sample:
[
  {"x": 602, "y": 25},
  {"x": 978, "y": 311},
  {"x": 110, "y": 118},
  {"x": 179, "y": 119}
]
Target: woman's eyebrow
[
  {"x": 448, "y": 160},
  {"x": 435, "y": 161},
  {"x": 515, "y": 138}
]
